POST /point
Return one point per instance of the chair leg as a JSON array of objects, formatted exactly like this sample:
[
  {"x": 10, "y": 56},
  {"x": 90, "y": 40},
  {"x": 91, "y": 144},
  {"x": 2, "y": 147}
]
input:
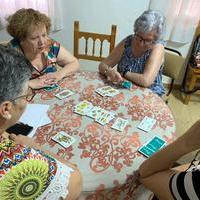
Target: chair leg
[
  {"x": 171, "y": 87},
  {"x": 191, "y": 86}
]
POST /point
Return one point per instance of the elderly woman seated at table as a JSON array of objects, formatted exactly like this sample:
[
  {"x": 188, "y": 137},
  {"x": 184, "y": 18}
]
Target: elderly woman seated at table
[
  {"x": 30, "y": 30},
  {"x": 139, "y": 57},
  {"x": 25, "y": 171}
]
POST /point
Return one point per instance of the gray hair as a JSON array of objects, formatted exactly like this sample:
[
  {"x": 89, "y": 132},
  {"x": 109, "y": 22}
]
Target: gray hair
[
  {"x": 15, "y": 72},
  {"x": 150, "y": 20}
]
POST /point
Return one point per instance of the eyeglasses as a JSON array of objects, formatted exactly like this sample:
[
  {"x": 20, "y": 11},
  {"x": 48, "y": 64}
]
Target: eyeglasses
[
  {"x": 28, "y": 97},
  {"x": 144, "y": 41}
]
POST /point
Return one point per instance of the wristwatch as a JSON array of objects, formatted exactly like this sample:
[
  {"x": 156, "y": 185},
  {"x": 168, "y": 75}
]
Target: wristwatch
[{"x": 125, "y": 72}]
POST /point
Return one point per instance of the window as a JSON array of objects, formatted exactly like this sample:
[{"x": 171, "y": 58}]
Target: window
[{"x": 51, "y": 8}]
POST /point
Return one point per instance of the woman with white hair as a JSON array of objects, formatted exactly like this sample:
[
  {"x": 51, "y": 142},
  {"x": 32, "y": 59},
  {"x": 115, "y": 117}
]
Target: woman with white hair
[{"x": 139, "y": 57}]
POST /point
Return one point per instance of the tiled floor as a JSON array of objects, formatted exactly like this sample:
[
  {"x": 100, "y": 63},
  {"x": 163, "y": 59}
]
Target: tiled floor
[{"x": 185, "y": 115}]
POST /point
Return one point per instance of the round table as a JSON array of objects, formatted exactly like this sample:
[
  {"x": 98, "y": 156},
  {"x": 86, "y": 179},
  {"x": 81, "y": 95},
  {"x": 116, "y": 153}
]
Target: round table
[{"x": 106, "y": 157}]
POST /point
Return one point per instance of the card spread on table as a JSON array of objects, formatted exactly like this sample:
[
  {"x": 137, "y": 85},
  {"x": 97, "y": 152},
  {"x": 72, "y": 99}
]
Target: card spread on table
[
  {"x": 120, "y": 124},
  {"x": 83, "y": 107},
  {"x": 152, "y": 146},
  {"x": 104, "y": 117},
  {"x": 63, "y": 139},
  {"x": 52, "y": 87},
  {"x": 146, "y": 124},
  {"x": 94, "y": 112},
  {"x": 64, "y": 93},
  {"x": 107, "y": 91}
]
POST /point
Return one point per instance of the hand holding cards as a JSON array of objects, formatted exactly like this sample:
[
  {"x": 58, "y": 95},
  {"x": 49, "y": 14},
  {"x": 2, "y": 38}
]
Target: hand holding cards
[
  {"x": 63, "y": 139},
  {"x": 152, "y": 146}
]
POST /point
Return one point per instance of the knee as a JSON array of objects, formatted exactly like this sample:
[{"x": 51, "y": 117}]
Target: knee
[{"x": 75, "y": 185}]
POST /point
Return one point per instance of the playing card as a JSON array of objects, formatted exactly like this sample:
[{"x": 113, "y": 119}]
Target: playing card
[
  {"x": 104, "y": 117},
  {"x": 52, "y": 87},
  {"x": 155, "y": 144},
  {"x": 120, "y": 124},
  {"x": 146, "y": 151},
  {"x": 146, "y": 124},
  {"x": 107, "y": 91},
  {"x": 127, "y": 84},
  {"x": 64, "y": 93},
  {"x": 94, "y": 112},
  {"x": 152, "y": 146},
  {"x": 83, "y": 107},
  {"x": 63, "y": 139}
]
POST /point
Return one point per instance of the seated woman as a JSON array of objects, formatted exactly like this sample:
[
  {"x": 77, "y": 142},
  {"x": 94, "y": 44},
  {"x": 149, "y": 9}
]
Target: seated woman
[
  {"x": 139, "y": 57},
  {"x": 168, "y": 183},
  {"x": 30, "y": 30},
  {"x": 27, "y": 171}
]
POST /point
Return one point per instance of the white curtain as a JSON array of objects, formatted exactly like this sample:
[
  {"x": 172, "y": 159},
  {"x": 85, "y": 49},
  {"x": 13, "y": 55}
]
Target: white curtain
[
  {"x": 51, "y": 8},
  {"x": 182, "y": 17}
]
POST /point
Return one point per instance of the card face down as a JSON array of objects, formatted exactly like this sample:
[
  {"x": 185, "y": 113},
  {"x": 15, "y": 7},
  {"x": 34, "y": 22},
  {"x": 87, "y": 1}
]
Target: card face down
[
  {"x": 154, "y": 145},
  {"x": 63, "y": 139}
]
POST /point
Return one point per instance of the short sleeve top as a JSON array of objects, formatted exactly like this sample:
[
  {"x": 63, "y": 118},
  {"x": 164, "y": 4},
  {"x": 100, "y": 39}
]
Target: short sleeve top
[
  {"x": 137, "y": 64},
  {"x": 24, "y": 171},
  {"x": 50, "y": 56}
]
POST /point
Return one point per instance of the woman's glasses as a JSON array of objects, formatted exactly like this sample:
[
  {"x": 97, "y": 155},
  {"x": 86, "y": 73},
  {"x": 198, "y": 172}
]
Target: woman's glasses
[
  {"x": 143, "y": 40},
  {"x": 28, "y": 97}
]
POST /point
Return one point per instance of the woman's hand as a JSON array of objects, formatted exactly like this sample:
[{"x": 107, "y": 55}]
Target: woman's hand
[
  {"x": 114, "y": 76},
  {"x": 45, "y": 80}
]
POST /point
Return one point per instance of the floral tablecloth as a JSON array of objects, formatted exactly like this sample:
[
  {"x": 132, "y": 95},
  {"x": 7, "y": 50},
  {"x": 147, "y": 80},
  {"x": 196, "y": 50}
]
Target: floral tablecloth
[{"x": 106, "y": 157}]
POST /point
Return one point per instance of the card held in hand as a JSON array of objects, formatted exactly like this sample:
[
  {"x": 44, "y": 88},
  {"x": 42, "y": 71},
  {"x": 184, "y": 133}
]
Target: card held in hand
[{"x": 63, "y": 139}]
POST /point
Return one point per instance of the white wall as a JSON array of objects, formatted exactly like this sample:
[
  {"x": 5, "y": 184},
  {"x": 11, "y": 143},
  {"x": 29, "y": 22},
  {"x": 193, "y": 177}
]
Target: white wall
[{"x": 98, "y": 16}]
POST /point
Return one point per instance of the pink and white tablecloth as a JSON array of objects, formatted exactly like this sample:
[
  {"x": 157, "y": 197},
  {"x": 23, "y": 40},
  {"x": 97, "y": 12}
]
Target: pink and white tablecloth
[{"x": 107, "y": 158}]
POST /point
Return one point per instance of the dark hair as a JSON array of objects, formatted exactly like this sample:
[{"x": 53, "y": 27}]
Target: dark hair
[
  {"x": 15, "y": 72},
  {"x": 20, "y": 22}
]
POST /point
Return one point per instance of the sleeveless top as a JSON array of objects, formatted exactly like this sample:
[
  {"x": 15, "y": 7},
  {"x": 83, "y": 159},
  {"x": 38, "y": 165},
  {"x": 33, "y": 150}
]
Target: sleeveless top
[
  {"x": 50, "y": 57},
  {"x": 137, "y": 65},
  {"x": 25, "y": 173}
]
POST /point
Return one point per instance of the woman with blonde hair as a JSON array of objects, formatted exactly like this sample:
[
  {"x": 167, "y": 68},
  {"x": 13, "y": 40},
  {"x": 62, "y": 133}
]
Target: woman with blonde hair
[{"x": 29, "y": 29}]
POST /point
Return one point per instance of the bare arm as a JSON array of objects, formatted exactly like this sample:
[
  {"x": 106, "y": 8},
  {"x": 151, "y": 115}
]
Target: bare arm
[
  {"x": 151, "y": 70},
  {"x": 69, "y": 63},
  {"x": 164, "y": 159},
  {"x": 106, "y": 67}
]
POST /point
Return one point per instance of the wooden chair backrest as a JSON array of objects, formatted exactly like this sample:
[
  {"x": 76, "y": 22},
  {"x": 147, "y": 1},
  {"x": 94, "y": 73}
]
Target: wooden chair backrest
[{"x": 94, "y": 36}]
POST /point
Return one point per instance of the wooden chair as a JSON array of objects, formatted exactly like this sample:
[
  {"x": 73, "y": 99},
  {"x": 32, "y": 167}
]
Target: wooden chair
[
  {"x": 172, "y": 65},
  {"x": 95, "y": 37}
]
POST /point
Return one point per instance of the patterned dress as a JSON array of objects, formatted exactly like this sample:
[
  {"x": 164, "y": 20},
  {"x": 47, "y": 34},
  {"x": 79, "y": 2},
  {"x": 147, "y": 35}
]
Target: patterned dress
[
  {"x": 26, "y": 173},
  {"x": 137, "y": 65},
  {"x": 50, "y": 57}
]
